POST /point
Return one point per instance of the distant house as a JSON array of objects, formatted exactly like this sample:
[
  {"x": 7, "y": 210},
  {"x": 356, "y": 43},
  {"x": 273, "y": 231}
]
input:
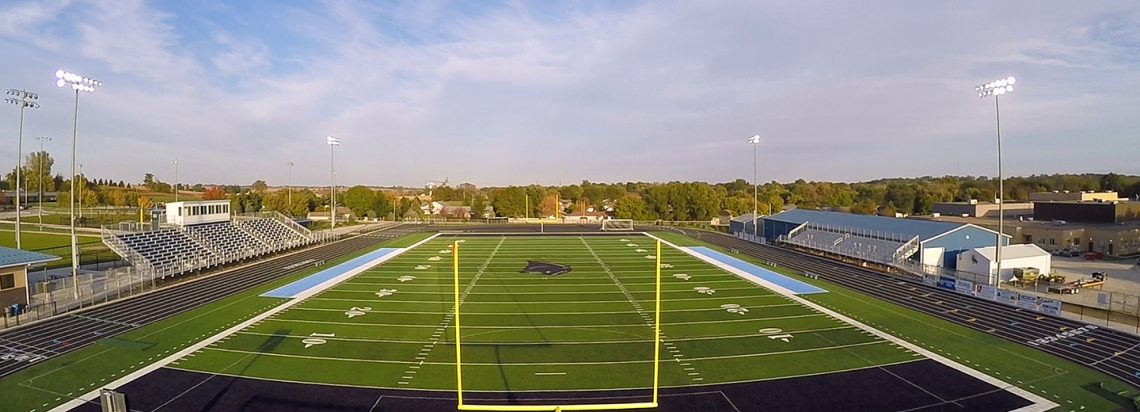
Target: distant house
[
  {"x": 342, "y": 214},
  {"x": 592, "y": 216}
]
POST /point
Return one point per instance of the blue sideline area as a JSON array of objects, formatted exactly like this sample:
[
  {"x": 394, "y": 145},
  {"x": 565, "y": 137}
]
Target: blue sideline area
[
  {"x": 308, "y": 282},
  {"x": 797, "y": 287}
]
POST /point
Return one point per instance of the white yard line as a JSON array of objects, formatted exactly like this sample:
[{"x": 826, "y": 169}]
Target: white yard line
[
  {"x": 527, "y": 343},
  {"x": 89, "y": 396},
  {"x": 613, "y": 325},
  {"x": 1039, "y": 404},
  {"x": 569, "y": 364}
]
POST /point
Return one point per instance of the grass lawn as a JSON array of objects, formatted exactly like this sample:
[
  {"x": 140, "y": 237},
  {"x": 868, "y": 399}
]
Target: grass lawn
[
  {"x": 91, "y": 248},
  {"x": 53, "y": 381},
  {"x": 1059, "y": 380}
]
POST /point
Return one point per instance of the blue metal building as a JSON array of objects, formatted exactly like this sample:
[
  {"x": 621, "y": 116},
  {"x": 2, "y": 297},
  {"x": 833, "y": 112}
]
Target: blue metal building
[{"x": 885, "y": 238}]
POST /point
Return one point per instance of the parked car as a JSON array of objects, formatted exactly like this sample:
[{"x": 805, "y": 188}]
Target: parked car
[
  {"x": 1094, "y": 255},
  {"x": 1069, "y": 252}
]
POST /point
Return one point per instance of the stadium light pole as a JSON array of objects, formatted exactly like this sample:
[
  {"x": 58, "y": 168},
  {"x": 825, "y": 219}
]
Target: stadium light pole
[
  {"x": 290, "y": 188},
  {"x": 755, "y": 142},
  {"x": 333, "y": 143},
  {"x": 40, "y": 176},
  {"x": 997, "y": 88},
  {"x": 78, "y": 83},
  {"x": 24, "y": 99},
  {"x": 79, "y": 195},
  {"x": 176, "y": 162}
]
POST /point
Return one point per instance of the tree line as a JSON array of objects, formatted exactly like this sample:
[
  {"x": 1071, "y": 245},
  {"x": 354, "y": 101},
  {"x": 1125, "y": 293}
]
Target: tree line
[{"x": 683, "y": 201}]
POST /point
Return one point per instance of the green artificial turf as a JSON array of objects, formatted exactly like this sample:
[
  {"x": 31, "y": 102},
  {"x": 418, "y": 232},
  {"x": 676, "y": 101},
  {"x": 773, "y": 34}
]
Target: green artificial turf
[
  {"x": 55, "y": 381},
  {"x": 1071, "y": 385},
  {"x": 530, "y": 332}
]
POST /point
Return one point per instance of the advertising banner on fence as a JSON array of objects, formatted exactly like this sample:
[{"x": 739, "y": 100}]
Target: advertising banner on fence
[
  {"x": 946, "y": 283},
  {"x": 987, "y": 292},
  {"x": 1006, "y": 297},
  {"x": 1102, "y": 299},
  {"x": 1027, "y": 301},
  {"x": 1050, "y": 306},
  {"x": 964, "y": 287}
]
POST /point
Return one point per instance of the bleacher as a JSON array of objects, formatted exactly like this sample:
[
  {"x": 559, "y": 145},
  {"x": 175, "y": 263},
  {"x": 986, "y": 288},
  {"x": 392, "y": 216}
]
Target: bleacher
[
  {"x": 167, "y": 250},
  {"x": 849, "y": 244},
  {"x": 275, "y": 234},
  {"x": 172, "y": 250},
  {"x": 227, "y": 240}
]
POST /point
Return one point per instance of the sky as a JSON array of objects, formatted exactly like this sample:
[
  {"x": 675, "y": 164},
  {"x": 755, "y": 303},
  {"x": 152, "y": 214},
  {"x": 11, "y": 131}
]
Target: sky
[{"x": 508, "y": 93}]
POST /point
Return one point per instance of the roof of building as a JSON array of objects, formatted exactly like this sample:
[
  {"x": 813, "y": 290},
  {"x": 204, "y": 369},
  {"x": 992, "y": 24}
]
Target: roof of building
[
  {"x": 15, "y": 257},
  {"x": 924, "y": 229},
  {"x": 1013, "y": 251},
  {"x": 745, "y": 218}
]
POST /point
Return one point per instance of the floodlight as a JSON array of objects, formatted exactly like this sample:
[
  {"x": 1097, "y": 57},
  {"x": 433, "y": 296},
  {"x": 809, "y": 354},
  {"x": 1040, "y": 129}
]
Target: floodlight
[
  {"x": 996, "y": 89},
  {"x": 59, "y": 74}
]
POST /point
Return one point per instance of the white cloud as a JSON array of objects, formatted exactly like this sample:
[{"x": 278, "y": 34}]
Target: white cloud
[{"x": 650, "y": 91}]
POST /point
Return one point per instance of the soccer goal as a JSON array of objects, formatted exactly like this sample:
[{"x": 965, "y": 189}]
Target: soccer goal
[
  {"x": 655, "y": 340},
  {"x": 617, "y": 224}
]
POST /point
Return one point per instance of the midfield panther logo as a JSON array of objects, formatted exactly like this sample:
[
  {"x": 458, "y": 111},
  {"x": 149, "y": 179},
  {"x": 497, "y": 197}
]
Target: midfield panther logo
[{"x": 545, "y": 268}]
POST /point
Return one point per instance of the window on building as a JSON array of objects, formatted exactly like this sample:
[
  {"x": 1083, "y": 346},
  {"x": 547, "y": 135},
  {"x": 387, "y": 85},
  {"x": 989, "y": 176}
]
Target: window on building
[
  {"x": 7, "y": 281},
  {"x": 1052, "y": 241}
]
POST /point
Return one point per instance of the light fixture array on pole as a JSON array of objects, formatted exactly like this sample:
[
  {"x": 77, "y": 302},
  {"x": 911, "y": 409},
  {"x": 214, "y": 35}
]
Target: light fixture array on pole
[
  {"x": 290, "y": 189},
  {"x": 176, "y": 163},
  {"x": 24, "y": 99},
  {"x": 998, "y": 88},
  {"x": 333, "y": 143},
  {"x": 755, "y": 142},
  {"x": 40, "y": 176},
  {"x": 78, "y": 83}
]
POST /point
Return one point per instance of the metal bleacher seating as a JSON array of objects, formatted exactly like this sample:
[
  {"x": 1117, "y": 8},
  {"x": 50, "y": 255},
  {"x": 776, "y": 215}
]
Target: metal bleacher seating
[
  {"x": 172, "y": 250},
  {"x": 277, "y": 236},
  {"x": 849, "y": 244}
]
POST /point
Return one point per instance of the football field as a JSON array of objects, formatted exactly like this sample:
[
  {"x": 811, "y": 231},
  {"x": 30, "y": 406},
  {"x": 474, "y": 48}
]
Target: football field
[{"x": 580, "y": 319}]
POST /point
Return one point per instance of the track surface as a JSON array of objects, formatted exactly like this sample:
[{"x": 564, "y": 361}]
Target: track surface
[
  {"x": 1107, "y": 350},
  {"x": 68, "y": 332},
  {"x": 928, "y": 386}
]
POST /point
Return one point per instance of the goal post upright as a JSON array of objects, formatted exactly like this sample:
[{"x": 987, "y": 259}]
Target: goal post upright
[
  {"x": 458, "y": 358},
  {"x": 657, "y": 327}
]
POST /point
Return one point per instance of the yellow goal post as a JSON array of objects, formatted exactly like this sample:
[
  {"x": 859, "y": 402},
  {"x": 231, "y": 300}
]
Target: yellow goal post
[{"x": 558, "y": 408}]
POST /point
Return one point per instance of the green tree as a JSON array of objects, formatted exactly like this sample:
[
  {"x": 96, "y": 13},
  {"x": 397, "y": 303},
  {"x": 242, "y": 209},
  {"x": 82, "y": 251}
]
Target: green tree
[
  {"x": 38, "y": 169},
  {"x": 361, "y": 200},
  {"x": 478, "y": 205},
  {"x": 632, "y": 206},
  {"x": 509, "y": 202}
]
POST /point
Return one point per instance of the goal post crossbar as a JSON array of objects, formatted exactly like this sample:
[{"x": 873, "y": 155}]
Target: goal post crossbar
[
  {"x": 625, "y": 225},
  {"x": 558, "y": 408}
]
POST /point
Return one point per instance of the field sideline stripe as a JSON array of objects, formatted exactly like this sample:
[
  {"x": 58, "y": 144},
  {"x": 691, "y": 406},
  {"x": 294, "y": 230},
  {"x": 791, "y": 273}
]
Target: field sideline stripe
[
  {"x": 94, "y": 394},
  {"x": 1039, "y": 404}
]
